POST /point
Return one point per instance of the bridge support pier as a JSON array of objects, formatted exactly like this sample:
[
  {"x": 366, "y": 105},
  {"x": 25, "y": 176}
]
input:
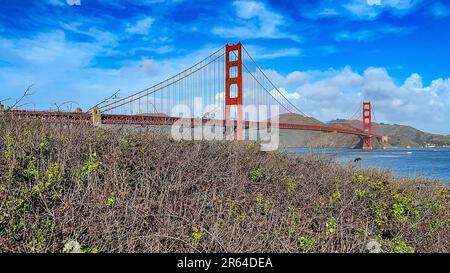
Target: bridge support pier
[
  {"x": 96, "y": 117},
  {"x": 233, "y": 89},
  {"x": 367, "y": 126},
  {"x": 367, "y": 143}
]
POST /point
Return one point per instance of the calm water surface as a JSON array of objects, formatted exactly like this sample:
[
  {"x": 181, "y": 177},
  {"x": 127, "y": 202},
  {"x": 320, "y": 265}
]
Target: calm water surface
[{"x": 427, "y": 162}]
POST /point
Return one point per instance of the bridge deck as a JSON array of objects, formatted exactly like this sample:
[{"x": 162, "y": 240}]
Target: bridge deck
[{"x": 72, "y": 117}]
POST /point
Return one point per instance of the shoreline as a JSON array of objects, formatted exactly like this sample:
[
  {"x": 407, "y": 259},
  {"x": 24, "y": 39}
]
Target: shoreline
[{"x": 342, "y": 155}]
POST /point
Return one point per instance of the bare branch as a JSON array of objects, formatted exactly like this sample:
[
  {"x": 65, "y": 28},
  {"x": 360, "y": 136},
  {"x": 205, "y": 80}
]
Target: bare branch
[
  {"x": 3, "y": 100},
  {"x": 24, "y": 95},
  {"x": 59, "y": 106}
]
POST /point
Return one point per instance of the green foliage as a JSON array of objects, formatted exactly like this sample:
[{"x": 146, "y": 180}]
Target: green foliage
[
  {"x": 444, "y": 193},
  {"x": 31, "y": 172},
  {"x": 360, "y": 193},
  {"x": 331, "y": 226},
  {"x": 377, "y": 186},
  {"x": 91, "y": 165},
  {"x": 22, "y": 203},
  {"x": 295, "y": 221},
  {"x": 40, "y": 235},
  {"x": 52, "y": 175},
  {"x": 89, "y": 250},
  {"x": 305, "y": 244},
  {"x": 250, "y": 145},
  {"x": 126, "y": 143},
  {"x": 404, "y": 204},
  {"x": 398, "y": 211},
  {"x": 358, "y": 178},
  {"x": 196, "y": 236},
  {"x": 263, "y": 203},
  {"x": 290, "y": 183},
  {"x": 404, "y": 198},
  {"x": 7, "y": 154},
  {"x": 397, "y": 245},
  {"x": 256, "y": 174},
  {"x": 335, "y": 196},
  {"x": 439, "y": 224},
  {"x": 379, "y": 211},
  {"x": 9, "y": 143},
  {"x": 53, "y": 172},
  {"x": 45, "y": 143},
  {"x": 234, "y": 211},
  {"x": 111, "y": 199}
]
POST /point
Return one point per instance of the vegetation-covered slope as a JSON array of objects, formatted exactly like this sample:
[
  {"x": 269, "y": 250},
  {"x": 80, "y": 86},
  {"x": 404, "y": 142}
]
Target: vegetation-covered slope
[
  {"x": 401, "y": 135},
  {"x": 128, "y": 191}
]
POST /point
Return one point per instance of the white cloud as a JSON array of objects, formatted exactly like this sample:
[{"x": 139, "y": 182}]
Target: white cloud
[
  {"x": 141, "y": 26},
  {"x": 296, "y": 78},
  {"x": 371, "y": 34},
  {"x": 333, "y": 94},
  {"x": 62, "y": 70},
  {"x": 293, "y": 79},
  {"x": 373, "y": 2},
  {"x": 360, "y": 35},
  {"x": 362, "y": 9},
  {"x": 100, "y": 37},
  {"x": 254, "y": 20}
]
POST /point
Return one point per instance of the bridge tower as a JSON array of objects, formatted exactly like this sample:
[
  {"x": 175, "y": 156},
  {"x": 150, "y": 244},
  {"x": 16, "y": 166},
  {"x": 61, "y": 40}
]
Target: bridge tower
[
  {"x": 233, "y": 89},
  {"x": 367, "y": 125}
]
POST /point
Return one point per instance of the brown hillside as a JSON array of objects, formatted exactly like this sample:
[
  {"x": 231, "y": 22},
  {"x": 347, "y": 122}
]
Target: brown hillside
[{"x": 298, "y": 119}]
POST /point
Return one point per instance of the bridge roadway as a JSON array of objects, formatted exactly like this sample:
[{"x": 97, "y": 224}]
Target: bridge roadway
[{"x": 76, "y": 117}]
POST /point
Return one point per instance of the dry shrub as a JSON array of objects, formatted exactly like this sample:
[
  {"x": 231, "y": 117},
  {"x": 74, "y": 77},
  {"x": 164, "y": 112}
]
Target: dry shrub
[{"x": 120, "y": 190}]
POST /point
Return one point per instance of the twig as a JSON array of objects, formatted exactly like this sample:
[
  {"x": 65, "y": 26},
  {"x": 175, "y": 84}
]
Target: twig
[
  {"x": 58, "y": 106},
  {"x": 24, "y": 95}
]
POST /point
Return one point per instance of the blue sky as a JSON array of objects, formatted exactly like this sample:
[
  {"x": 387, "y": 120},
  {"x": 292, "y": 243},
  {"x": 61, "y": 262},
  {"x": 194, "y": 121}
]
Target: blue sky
[{"x": 327, "y": 55}]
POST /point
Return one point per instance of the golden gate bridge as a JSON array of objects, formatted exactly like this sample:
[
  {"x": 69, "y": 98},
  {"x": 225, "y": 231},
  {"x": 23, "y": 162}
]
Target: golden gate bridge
[{"x": 227, "y": 89}]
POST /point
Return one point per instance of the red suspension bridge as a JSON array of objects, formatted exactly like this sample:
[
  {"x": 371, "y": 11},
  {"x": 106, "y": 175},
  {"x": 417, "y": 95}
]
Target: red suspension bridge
[{"x": 226, "y": 89}]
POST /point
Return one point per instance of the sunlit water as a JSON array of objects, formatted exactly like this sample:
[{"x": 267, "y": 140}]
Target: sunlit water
[{"x": 431, "y": 163}]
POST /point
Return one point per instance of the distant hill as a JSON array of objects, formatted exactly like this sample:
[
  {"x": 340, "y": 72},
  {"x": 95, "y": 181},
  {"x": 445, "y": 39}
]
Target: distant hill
[
  {"x": 298, "y": 119},
  {"x": 299, "y": 138},
  {"x": 401, "y": 135}
]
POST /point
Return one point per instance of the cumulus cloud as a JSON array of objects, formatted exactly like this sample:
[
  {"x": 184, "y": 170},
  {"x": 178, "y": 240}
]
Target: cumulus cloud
[
  {"x": 335, "y": 94},
  {"x": 293, "y": 79}
]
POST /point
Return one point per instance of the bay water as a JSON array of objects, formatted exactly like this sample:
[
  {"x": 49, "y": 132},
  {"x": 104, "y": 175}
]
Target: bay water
[{"x": 433, "y": 163}]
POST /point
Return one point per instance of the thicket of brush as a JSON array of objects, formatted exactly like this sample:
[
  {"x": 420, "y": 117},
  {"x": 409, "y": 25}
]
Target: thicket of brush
[{"x": 115, "y": 190}]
